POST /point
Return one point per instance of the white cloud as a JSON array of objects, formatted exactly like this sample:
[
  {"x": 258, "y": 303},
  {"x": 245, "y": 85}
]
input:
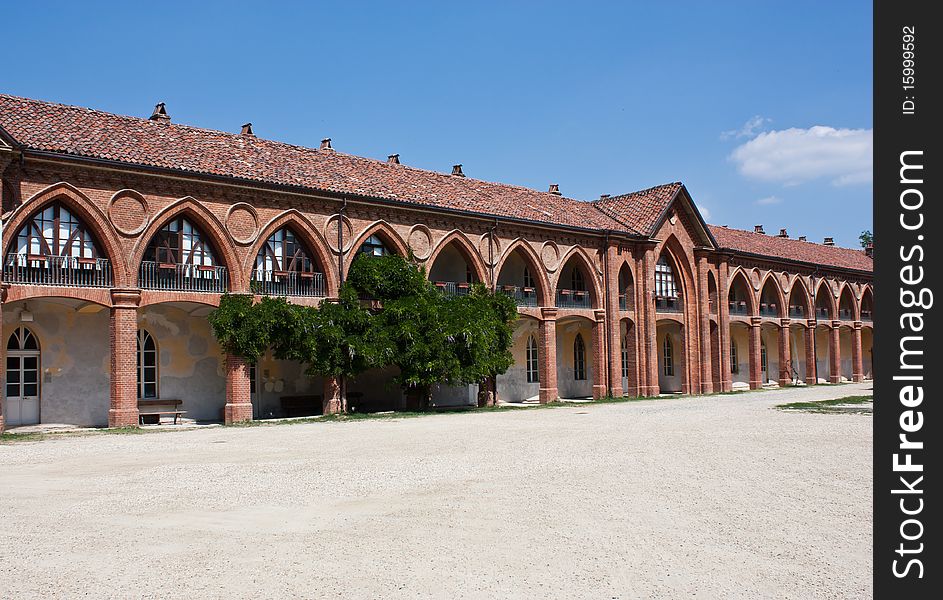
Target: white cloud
[
  {"x": 767, "y": 201},
  {"x": 748, "y": 129},
  {"x": 705, "y": 212},
  {"x": 793, "y": 156}
]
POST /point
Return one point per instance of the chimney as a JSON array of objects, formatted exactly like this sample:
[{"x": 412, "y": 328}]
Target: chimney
[
  {"x": 393, "y": 159},
  {"x": 603, "y": 196},
  {"x": 869, "y": 249},
  {"x": 783, "y": 234},
  {"x": 457, "y": 171},
  {"x": 247, "y": 130},
  {"x": 160, "y": 114},
  {"x": 555, "y": 189},
  {"x": 803, "y": 238},
  {"x": 758, "y": 229},
  {"x": 326, "y": 144},
  {"x": 829, "y": 241}
]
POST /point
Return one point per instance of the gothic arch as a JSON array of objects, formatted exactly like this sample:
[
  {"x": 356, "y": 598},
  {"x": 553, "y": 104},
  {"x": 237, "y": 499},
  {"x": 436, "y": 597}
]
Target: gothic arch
[
  {"x": 386, "y": 232},
  {"x": 804, "y": 295},
  {"x": 91, "y": 215},
  {"x": 740, "y": 275},
  {"x": 676, "y": 252},
  {"x": 312, "y": 239},
  {"x": 208, "y": 224},
  {"x": 544, "y": 287},
  {"x": 466, "y": 248},
  {"x": 827, "y": 291},
  {"x": 579, "y": 254},
  {"x": 843, "y": 289},
  {"x": 780, "y": 296}
]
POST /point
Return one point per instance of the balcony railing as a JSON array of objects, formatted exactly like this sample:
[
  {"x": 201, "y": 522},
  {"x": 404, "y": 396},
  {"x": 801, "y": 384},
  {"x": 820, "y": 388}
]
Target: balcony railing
[
  {"x": 452, "y": 288},
  {"x": 822, "y": 313},
  {"x": 573, "y": 299},
  {"x": 523, "y": 296},
  {"x": 667, "y": 304},
  {"x": 64, "y": 271},
  {"x": 738, "y": 307},
  {"x": 845, "y": 314},
  {"x": 867, "y": 315},
  {"x": 769, "y": 310},
  {"x": 183, "y": 278},
  {"x": 287, "y": 283},
  {"x": 797, "y": 311}
]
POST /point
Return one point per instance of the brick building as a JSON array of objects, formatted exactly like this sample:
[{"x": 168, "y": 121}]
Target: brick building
[{"x": 120, "y": 234}]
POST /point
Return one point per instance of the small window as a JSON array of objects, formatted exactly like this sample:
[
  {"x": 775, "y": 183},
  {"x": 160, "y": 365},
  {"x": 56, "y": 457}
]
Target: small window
[
  {"x": 625, "y": 357},
  {"x": 147, "y": 365},
  {"x": 374, "y": 246},
  {"x": 668, "y": 357},
  {"x": 579, "y": 358},
  {"x": 763, "y": 357},
  {"x": 528, "y": 278},
  {"x": 533, "y": 371},
  {"x": 734, "y": 360}
]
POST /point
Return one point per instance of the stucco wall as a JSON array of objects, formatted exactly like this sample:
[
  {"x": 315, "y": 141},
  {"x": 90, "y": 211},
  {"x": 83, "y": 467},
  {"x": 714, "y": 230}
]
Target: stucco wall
[
  {"x": 567, "y": 386},
  {"x": 672, "y": 383},
  {"x": 512, "y": 385}
]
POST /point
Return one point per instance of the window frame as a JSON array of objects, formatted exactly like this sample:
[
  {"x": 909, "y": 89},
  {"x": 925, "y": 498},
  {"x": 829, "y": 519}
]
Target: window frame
[
  {"x": 667, "y": 357},
  {"x": 143, "y": 336},
  {"x": 579, "y": 358},
  {"x": 532, "y": 360}
]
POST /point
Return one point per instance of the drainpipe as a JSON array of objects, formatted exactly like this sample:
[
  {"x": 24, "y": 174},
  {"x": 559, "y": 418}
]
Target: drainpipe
[
  {"x": 815, "y": 358},
  {"x": 491, "y": 235},
  {"x": 340, "y": 241}
]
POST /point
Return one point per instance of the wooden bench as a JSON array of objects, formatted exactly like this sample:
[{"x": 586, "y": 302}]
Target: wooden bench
[
  {"x": 302, "y": 405},
  {"x": 151, "y": 411},
  {"x": 153, "y": 418}
]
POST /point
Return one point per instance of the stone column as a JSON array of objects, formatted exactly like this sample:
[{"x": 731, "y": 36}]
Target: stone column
[
  {"x": 785, "y": 354},
  {"x": 704, "y": 314},
  {"x": 756, "y": 377},
  {"x": 613, "y": 317},
  {"x": 547, "y": 355},
  {"x": 811, "y": 377},
  {"x": 238, "y": 398},
  {"x": 600, "y": 364},
  {"x": 834, "y": 353},
  {"x": 332, "y": 401},
  {"x": 123, "y": 333},
  {"x": 857, "y": 364},
  {"x": 723, "y": 327}
]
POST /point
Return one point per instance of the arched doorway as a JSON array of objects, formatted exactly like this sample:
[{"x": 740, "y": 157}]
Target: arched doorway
[
  {"x": 626, "y": 289},
  {"x": 672, "y": 375},
  {"x": 575, "y": 366},
  {"x": 823, "y": 353},
  {"x": 453, "y": 270},
  {"x": 22, "y": 404},
  {"x": 521, "y": 383},
  {"x": 740, "y": 355},
  {"x": 520, "y": 277}
]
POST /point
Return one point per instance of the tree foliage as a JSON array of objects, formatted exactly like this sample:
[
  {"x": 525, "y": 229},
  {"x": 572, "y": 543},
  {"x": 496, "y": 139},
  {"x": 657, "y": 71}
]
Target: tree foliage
[{"x": 866, "y": 238}]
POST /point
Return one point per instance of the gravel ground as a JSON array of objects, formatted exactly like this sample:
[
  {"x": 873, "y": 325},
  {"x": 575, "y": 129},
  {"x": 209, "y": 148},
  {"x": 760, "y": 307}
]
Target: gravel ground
[{"x": 711, "y": 497}]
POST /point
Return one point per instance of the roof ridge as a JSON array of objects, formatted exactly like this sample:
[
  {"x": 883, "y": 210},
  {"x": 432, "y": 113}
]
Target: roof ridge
[
  {"x": 637, "y": 192},
  {"x": 788, "y": 239}
]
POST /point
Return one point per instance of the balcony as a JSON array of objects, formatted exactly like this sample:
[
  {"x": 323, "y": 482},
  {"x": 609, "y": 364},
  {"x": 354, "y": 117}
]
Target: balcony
[
  {"x": 797, "y": 311},
  {"x": 183, "y": 278},
  {"x": 822, "y": 313},
  {"x": 287, "y": 283},
  {"x": 574, "y": 299},
  {"x": 867, "y": 315},
  {"x": 668, "y": 304},
  {"x": 738, "y": 307},
  {"x": 769, "y": 310},
  {"x": 523, "y": 296},
  {"x": 63, "y": 271},
  {"x": 845, "y": 314},
  {"x": 452, "y": 288}
]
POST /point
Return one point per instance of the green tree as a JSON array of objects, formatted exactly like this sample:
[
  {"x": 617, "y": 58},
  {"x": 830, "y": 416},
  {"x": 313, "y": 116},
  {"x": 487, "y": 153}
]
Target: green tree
[{"x": 866, "y": 238}]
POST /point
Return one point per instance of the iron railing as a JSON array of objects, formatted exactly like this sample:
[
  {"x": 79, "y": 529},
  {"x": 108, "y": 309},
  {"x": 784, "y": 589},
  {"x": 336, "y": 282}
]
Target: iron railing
[
  {"x": 66, "y": 271},
  {"x": 574, "y": 299},
  {"x": 668, "y": 304},
  {"x": 183, "y": 278},
  {"x": 452, "y": 288},
  {"x": 523, "y": 296},
  {"x": 867, "y": 315},
  {"x": 287, "y": 283},
  {"x": 769, "y": 310},
  {"x": 738, "y": 307},
  {"x": 822, "y": 313},
  {"x": 845, "y": 314},
  {"x": 797, "y": 311}
]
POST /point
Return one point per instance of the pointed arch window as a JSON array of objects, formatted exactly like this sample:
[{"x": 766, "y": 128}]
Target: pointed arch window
[
  {"x": 374, "y": 246},
  {"x": 528, "y": 278},
  {"x": 180, "y": 257},
  {"x": 734, "y": 359},
  {"x": 625, "y": 356},
  {"x": 283, "y": 267},
  {"x": 147, "y": 365},
  {"x": 763, "y": 362},
  {"x": 665, "y": 284},
  {"x": 579, "y": 358},
  {"x": 54, "y": 247},
  {"x": 668, "y": 357},
  {"x": 533, "y": 370}
]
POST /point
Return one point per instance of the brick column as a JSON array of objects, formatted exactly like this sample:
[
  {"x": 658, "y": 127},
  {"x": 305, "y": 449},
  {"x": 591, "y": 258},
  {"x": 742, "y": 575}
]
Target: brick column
[
  {"x": 756, "y": 377},
  {"x": 632, "y": 344},
  {"x": 649, "y": 334},
  {"x": 785, "y": 354},
  {"x": 547, "y": 355},
  {"x": 834, "y": 354},
  {"x": 857, "y": 364},
  {"x": 123, "y": 333},
  {"x": 3, "y": 351},
  {"x": 600, "y": 364},
  {"x": 238, "y": 398},
  {"x": 641, "y": 331},
  {"x": 704, "y": 314},
  {"x": 723, "y": 327},
  {"x": 613, "y": 317},
  {"x": 332, "y": 401},
  {"x": 811, "y": 377}
]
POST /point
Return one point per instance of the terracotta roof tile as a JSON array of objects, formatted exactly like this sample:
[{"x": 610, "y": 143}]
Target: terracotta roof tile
[
  {"x": 90, "y": 133},
  {"x": 790, "y": 249},
  {"x": 640, "y": 210}
]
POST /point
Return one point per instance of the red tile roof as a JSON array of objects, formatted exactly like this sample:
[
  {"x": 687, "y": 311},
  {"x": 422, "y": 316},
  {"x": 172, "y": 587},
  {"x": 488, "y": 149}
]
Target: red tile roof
[
  {"x": 640, "y": 210},
  {"x": 790, "y": 249},
  {"x": 90, "y": 133}
]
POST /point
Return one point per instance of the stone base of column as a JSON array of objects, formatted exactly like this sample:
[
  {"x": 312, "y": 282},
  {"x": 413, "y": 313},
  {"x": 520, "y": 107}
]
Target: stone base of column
[
  {"x": 548, "y": 395},
  {"x": 652, "y": 391},
  {"x": 834, "y": 378},
  {"x": 237, "y": 413},
  {"x": 756, "y": 385},
  {"x": 810, "y": 381},
  {"x": 2, "y": 424},
  {"x": 707, "y": 388},
  {"x": 332, "y": 402},
  {"x": 123, "y": 418},
  {"x": 599, "y": 392},
  {"x": 857, "y": 377},
  {"x": 784, "y": 381}
]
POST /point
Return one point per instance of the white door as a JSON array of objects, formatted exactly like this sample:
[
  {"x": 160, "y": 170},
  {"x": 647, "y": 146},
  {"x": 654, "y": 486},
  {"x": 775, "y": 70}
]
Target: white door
[{"x": 22, "y": 404}]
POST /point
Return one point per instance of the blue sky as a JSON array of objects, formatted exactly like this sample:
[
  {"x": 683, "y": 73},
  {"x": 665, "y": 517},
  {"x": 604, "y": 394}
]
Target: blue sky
[{"x": 762, "y": 109}]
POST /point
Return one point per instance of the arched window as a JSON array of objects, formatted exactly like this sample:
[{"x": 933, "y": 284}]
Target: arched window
[
  {"x": 665, "y": 285},
  {"x": 579, "y": 358},
  {"x": 625, "y": 357},
  {"x": 22, "y": 339},
  {"x": 147, "y": 365},
  {"x": 576, "y": 280},
  {"x": 22, "y": 378},
  {"x": 283, "y": 267},
  {"x": 763, "y": 357},
  {"x": 533, "y": 371},
  {"x": 528, "y": 278},
  {"x": 668, "y": 357},
  {"x": 180, "y": 258},
  {"x": 734, "y": 360},
  {"x": 374, "y": 246},
  {"x": 55, "y": 247}
]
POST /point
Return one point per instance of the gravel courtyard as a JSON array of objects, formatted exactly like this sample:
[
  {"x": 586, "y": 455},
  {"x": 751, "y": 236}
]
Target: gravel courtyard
[{"x": 710, "y": 497}]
